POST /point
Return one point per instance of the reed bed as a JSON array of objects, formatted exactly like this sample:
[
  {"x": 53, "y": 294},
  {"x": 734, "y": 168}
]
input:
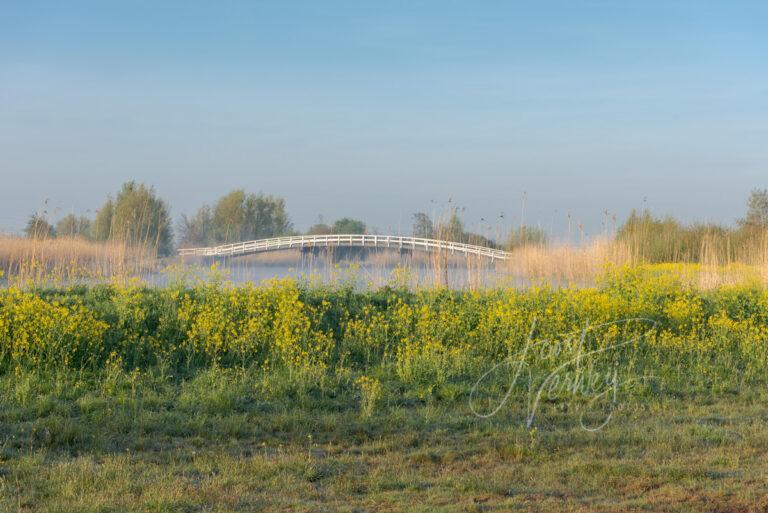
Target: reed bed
[
  {"x": 567, "y": 264},
  {"x": 714, "y": 265},
  {"x": 56, "y": 261},
  {"x": 28, "y": 261}
]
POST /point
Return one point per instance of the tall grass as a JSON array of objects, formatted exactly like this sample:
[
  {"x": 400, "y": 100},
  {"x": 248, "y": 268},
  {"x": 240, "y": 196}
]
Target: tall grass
[
  {"x": 564, "y": 264},
  {"x": 657, "y": 240},
  {"x": 715, "y": 263},
  {"x": 31, "y": 261},
  {"x": 708, "y": 260}
]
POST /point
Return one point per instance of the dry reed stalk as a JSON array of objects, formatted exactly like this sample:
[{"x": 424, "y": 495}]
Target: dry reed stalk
[
  {"x": 566, "y": 264},
  {"x": 64, "y": 259}
]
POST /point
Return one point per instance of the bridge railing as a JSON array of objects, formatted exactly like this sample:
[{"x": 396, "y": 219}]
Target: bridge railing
[{"x": 346, "y": 240}]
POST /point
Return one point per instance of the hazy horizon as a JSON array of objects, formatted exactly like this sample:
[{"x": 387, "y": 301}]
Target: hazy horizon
[{"x": 376, "y": 112}]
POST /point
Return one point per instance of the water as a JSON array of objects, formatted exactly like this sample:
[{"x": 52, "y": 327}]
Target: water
[
  {"x": 359, "y": 274},
  {"x": 369, "y": 272}
]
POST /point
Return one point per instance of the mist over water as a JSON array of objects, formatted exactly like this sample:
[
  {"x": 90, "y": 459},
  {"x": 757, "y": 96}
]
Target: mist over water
[
  {"x": 360, "y": 268},
  {"x": 359, "y": 274}
]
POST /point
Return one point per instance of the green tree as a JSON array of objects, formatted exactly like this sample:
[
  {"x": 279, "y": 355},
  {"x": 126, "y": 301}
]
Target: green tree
[
  {"x": 452, "y": 230},
  {"x": 38, "y": 227},
  {"x": 73, "y": 226},
  {"x": 478, "y": 240},
  {"x": 346, "y": 225},
  {"x": 265, "y": 216},
  {"x": 757, "y": 210},
  {"x": 422, "y": 226},
  {"x": 229, "y": 217},
  {"x": 198, "y": 229},
  {"x": 238, "y": 216},
  {"x": 320, "y": 229},
  {"x": 137, "y": 217},
  {"x": 101, "y": 230}
]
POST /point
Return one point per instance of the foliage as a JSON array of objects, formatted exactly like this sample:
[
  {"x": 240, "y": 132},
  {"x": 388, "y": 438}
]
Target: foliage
[
  {"x": 451, "y": 230},
  {"x": 141, "y": 218},
  {"x": 42, "y": 334},
  {"x": 320, "y": 229},
  {"x": 422, "y": 226},
  {"x": 38, "y": 227},
  {"x": 346, "y": 225},
  {"x": 73, "y": 226},
  {"x": 667, "y": 240},
  {"x": 236, "y": 217},
  {"x": 653, "y": 239},
  {"x": 757, "y": 210},
  {"x": 198, "y": 229},
  {"x": 526, "y": 236},
  {"x": 477, "y": 239},
  {"x": 137, "y": 217},
  {"x": 101, "y": 230},
  {"x": 426, "y": 338},
  {"x": 370, "y": 393},
  {"x": 201, "y": 389}
]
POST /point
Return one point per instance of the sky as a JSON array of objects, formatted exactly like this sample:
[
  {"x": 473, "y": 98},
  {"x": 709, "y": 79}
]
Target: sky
[{"x": 554, "y": 114}]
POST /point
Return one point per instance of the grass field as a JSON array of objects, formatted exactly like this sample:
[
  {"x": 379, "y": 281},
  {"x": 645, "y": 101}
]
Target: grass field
[
  {"x": 643, "y": 393},
  {"x": 217, "y": 443}
]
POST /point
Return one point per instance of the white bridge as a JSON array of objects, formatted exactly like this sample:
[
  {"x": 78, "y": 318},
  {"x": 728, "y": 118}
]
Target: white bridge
[{"x": 368, "y": 241}]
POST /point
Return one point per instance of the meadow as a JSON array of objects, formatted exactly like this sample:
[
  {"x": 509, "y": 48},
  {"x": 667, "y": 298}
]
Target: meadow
[{"x": 642, "y": 392}]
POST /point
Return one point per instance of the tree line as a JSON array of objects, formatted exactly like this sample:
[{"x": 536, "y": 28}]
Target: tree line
[{"x": 138, "y": 217}]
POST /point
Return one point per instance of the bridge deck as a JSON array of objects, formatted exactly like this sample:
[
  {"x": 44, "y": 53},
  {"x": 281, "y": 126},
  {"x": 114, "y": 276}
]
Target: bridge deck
[{"x": 372, "y": 241}]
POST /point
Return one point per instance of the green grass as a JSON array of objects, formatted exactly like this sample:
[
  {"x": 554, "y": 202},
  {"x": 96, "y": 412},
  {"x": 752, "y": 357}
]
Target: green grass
[
  {"x": 288, "y": 398},
  {"x": 224, "y": 441}
]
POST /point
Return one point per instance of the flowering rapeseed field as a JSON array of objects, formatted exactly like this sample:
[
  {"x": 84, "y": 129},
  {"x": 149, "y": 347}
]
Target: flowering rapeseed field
[{"x": 422, "y": 337}]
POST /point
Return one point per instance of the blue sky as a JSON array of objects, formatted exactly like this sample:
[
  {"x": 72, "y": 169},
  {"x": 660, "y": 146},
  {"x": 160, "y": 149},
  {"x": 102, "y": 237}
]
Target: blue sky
[{"x": 376, "y": 110}]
